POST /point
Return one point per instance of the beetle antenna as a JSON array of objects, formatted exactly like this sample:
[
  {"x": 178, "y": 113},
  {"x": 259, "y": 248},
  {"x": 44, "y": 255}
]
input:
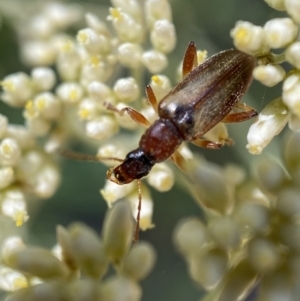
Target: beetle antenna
[
  {"x": 137, "y": 226},
  {"x": 83, "y": 157}
]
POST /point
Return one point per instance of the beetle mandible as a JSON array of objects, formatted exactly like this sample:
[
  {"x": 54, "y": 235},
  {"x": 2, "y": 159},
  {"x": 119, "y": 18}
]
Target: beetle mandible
[{"x": 206, "y": 96}]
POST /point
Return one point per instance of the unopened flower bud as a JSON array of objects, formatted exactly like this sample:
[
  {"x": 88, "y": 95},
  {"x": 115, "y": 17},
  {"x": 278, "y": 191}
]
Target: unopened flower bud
[
  {"x": 114, "y": 285},
  {"x": 126, "y": 89},
  {"x": 161, "y": 177},
  {"x": 269, "y": 75},
  {"x": 270, "y": 123},
  {"x": 129, "y": 54},
  {"x": 276, "y": 4},
  {"x": 157, "y": 10},
  {"x": 88, "y": 250},
  {"x": 126, "y": 27},
  {"x": 248, "y": 38},
  {"x": 101, "y": 128},
  {"x": 118, "y": 231},
  {"x": 140, "y": 260},
  {"x": 292, "y": 54},
  {"x": 280, "y": 32},
  {"x": 163, "y": 36},
  {"x": 191, "y": 236},
  {"x": 293, "y": 8},
  {"x": 10, "y": 152},
  {"x": 154, "y": 61},
  {"x": 43, "y": 78}
]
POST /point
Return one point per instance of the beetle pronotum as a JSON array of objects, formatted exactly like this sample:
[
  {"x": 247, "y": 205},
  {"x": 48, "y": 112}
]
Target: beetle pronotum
[{"x": 206, "y": 96}]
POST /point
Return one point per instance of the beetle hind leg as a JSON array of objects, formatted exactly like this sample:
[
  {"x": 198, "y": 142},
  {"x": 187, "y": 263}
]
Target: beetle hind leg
[
  {"x": 190, "y": 60},
  {"x": 241, "y": 112}
]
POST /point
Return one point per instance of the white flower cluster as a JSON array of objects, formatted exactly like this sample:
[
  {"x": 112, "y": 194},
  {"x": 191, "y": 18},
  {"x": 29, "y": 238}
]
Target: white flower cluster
[
  {"x": 25, "y": 171},
  {"x": 79, "y": 262},
  {"x": 248, "y": 240},
  {"x": 256, "y": 40},
  {"x": 54, "y": 104}
]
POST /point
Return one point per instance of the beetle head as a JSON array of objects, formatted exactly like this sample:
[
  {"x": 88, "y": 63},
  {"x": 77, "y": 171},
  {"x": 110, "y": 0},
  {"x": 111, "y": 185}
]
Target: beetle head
[{"x": 135, "y": 166}]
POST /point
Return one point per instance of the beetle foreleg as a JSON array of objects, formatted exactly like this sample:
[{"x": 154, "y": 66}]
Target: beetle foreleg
[{"x": 134, "y": 114}]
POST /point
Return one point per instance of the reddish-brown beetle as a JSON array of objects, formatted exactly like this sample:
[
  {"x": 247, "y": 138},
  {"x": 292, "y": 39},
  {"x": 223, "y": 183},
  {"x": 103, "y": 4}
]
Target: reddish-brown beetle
[{"x": 208, "y": 94}]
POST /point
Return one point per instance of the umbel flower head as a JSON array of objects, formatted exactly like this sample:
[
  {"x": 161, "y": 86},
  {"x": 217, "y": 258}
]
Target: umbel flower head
[
  {"x": 71, "y": 102},
  {"x": 76, "y": 267},
  {"x": 250, "y": 238},
  {"x": 279, "y": 33}
]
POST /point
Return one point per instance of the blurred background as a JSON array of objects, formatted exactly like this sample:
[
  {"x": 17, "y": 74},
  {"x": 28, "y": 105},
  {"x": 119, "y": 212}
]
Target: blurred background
[{"x": 208, "y": 23}]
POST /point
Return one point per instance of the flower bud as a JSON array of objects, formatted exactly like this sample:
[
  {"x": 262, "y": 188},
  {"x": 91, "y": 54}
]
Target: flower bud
[
  {"x": 270, "y": 175},
  {"x": 10, "y": 152},
  {"x": 127, "y": 28},
  {"x": 160, "y": 85},
  {"x": 191, "y": 236},
  {"x": 117, "y": 231},
  {"x": 139, "y": 262},
  {"x": 43, "y": 78},
  {"x": 210, "y": 187},
  {"x": 14, "y": 205},
  {"x": 291, "y": 153},
  {"x": 88, "y": 250},
  {"x": 208, "y": 268},
  {"x": 249, "y": 38},
  {"x": 121, "y": 288},
  {"x": 70, "y": 92},
  {"x": 252, "y": 218},
  {"x": 269, "y": 75},
  {"x": 129, "y": 55},
  {"x": 161, "y": 177},
  {"x": 263, "y": 255},
  {"x": 11, "y": 280},
  {"x": 280, "y": 32},
  {"x": 126, "y": 89},
  {"x": 17, "y": 89},
  {"x": 291, "y": 90},
  {"x": 276, "y": 4},
  {"x": 163, "y": 36},
  {"x": 154, "y": 61},
  {"x": 225, "y": 231},
  {"x": 101, "y": 128},
  {"x": 288, "y": 202},
  {"x": 270, "y": 123},
  {"x": 293, "y": 8},
  {"x": 157, "y": 10},
  {"x": 292, "y": 54},
  {"x": 37, "y": 262}
]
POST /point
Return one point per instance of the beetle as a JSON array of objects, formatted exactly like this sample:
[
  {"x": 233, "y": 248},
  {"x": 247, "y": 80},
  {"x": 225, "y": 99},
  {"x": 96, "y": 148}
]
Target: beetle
[{"x": 207, "y": 95}]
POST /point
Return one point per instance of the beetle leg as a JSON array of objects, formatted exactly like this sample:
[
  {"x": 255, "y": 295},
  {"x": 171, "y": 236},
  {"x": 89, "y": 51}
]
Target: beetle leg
[
  {"x": 246, "y": 112},
  {"x": 207, "y": 143},
  {"x": 179, "y": 160},
  {"x": 190, "y": 59},
  {"x": 134, "y": 114},
  {"x": 151, "y": 97},
  {"x": 138, "y": 217},
  {"x": 83, "y": 157}
]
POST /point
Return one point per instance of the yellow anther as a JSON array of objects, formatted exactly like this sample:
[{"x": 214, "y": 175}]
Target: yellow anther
[
  {"x": 156, "y": 79},
  {"x": 8, "y": 86}
]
